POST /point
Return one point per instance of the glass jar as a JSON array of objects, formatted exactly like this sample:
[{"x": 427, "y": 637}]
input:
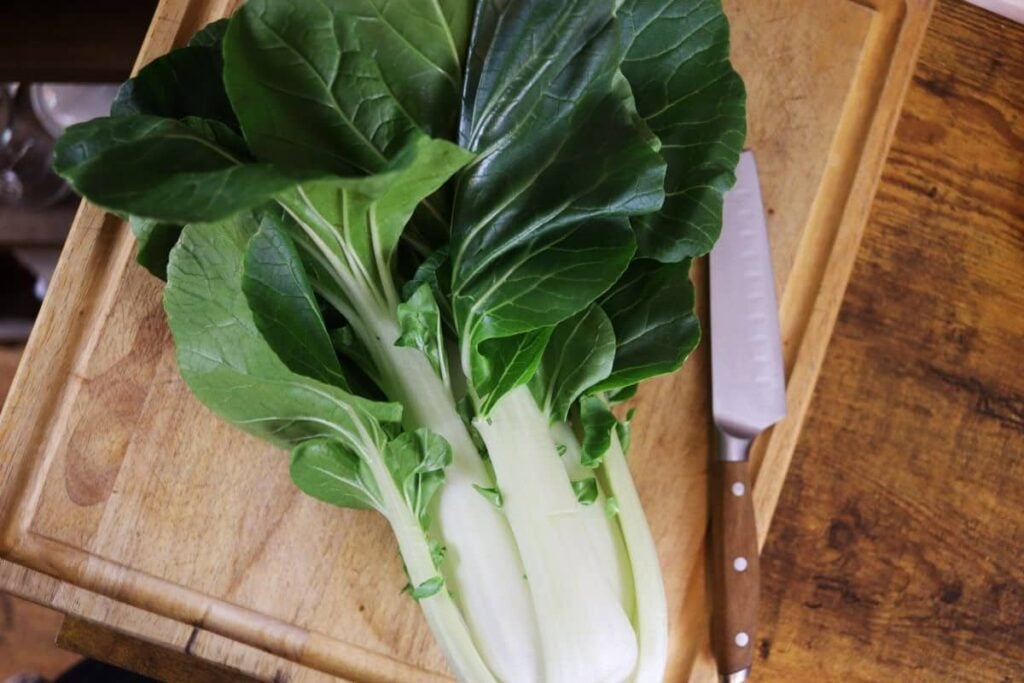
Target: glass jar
[{"x": 26, "y": 148}]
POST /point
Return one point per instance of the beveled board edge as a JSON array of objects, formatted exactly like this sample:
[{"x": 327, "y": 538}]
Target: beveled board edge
[
  {"x": 810, "y": 304},
  {"x": 809, "y": 308}
]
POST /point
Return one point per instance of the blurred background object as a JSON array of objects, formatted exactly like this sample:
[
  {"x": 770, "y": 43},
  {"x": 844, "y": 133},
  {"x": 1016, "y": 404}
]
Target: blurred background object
[
  {"x": 36, "y": 206},
  {"x": 32, "y": 117},
  {"x": 25, "y": 150}
]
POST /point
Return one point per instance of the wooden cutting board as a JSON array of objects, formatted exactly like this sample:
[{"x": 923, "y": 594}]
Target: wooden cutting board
[{"x": 123, "y": 501}]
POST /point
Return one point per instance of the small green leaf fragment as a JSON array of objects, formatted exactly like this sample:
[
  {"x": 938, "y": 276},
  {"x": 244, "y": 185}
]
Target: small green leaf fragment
[
  {"x": 416, "y": 461},
  {"x": 623, "y": 430},
  {"x": 585, "y": 490},
  {"x": 211, "y": 35},
  {"x": 598, "y": 421},
  {"x": 429, "y": 587},
  {"x": 561, "y": 449},
  {"x": 420, "y": 321},
  {"x": 464, "y": 407},
  {"x": 623, "y": 394},
  {"x": 327, "y": 470},
  {"x": 492, "y": 494},
  {"x": 611, "y": 506},
  {"x": 437, "y": 552},
  {"x": 155, "y": 241},
  {"x": 434, "y": 272}
]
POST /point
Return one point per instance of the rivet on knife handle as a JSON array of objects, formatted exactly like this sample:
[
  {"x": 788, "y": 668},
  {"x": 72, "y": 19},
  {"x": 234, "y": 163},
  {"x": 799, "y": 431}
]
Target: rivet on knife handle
[{"x": 734, "y": 562}]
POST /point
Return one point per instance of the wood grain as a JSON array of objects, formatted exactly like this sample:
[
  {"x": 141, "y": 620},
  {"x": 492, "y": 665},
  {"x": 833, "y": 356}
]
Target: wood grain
[
  {"x": 733, "y": 563},
  {"x": 161, "y": 521},
  {"x": 896, "y": 550},
  {"x": 9, "y": 357}
]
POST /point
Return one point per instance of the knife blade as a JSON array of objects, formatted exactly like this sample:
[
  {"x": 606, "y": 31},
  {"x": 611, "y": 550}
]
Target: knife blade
[{"x": 748, "y": 393}]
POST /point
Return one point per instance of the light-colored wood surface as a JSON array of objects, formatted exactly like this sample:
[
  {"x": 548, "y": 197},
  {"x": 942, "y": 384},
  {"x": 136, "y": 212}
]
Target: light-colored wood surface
[
  {"x": 160, "y": 521},
  {"x": 26, "y": 630}
]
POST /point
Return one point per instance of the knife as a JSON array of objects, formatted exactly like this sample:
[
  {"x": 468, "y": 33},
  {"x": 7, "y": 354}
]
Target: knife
[{"x": 748, "y": 393}]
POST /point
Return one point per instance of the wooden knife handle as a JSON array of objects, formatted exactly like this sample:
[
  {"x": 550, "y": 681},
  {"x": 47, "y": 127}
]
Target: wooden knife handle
[{"x": 734, "y": 569}]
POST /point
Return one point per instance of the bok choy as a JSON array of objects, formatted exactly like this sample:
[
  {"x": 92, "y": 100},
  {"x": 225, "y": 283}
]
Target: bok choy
[{"x": 426, "y": 246}]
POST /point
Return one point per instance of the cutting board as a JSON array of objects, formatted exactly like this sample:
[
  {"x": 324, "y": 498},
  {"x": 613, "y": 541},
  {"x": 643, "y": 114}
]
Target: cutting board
[{"x": 124, "y": 502}]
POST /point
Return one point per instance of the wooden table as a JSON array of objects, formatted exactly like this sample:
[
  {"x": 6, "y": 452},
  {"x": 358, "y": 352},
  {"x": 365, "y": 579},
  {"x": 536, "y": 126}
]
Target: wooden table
[{"x": 893, "y": 553}]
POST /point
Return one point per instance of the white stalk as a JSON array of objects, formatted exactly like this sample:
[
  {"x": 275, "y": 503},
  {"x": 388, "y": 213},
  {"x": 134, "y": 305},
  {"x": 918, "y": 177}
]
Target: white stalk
[
  {"x": 443, "y": 616},
  {"x": 482, "y": 564},
  {"x": 651, "y": 616},
  {"x": 586, "y": 634},
  {"x": 481, "y": 567},
  {"x": 602, "y": 531}
]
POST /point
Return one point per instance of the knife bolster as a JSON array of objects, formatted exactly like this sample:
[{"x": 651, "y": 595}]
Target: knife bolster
[{"x": 732, "y": 448}]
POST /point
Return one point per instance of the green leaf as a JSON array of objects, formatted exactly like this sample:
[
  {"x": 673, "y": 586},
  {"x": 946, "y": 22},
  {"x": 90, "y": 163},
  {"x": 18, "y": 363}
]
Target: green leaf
[
  {"x": 326, "y": 470},
  {"x": 585, "y": 490},
  {"x": 623, "y": 429},
  {"x": 435, "y": 271},
  {"x": 492, "y": 494},
  {"x": 211, "y": 35},
  {"x": 419, "y": 48},
  {"x": 228, "y": 364},
  {"x": 677, "y": 62},
  {"x": 155, "y": 241},
  {"x": 437, "y": 552},
  {"x": 579, "y": 355},
  {"x": 651, "y": 309},
  {"x": 541, "y": 217},
  {"x": 464, "y": 407},
  {"x": 500, "y": 365},
  {"x": 623, "y": 394},
  {"x": 420, "y": 322},
  {"x": 416, "y": 461},
  {"x": 363, "y": 218},
  {"x": 166, "y": 170},
  {"x": 284, "y": 307},
  {"x": 306, "y": 95},
  {"x": 344, "y": 341},
  {"x": 182, "y": 83},
  {"x": 429, "y": 587},
  {"x": 598, "y": 422}
]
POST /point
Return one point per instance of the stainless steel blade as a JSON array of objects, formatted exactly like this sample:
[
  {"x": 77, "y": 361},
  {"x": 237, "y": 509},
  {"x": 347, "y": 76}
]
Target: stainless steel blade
[{"x": 748, "y": 385}]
